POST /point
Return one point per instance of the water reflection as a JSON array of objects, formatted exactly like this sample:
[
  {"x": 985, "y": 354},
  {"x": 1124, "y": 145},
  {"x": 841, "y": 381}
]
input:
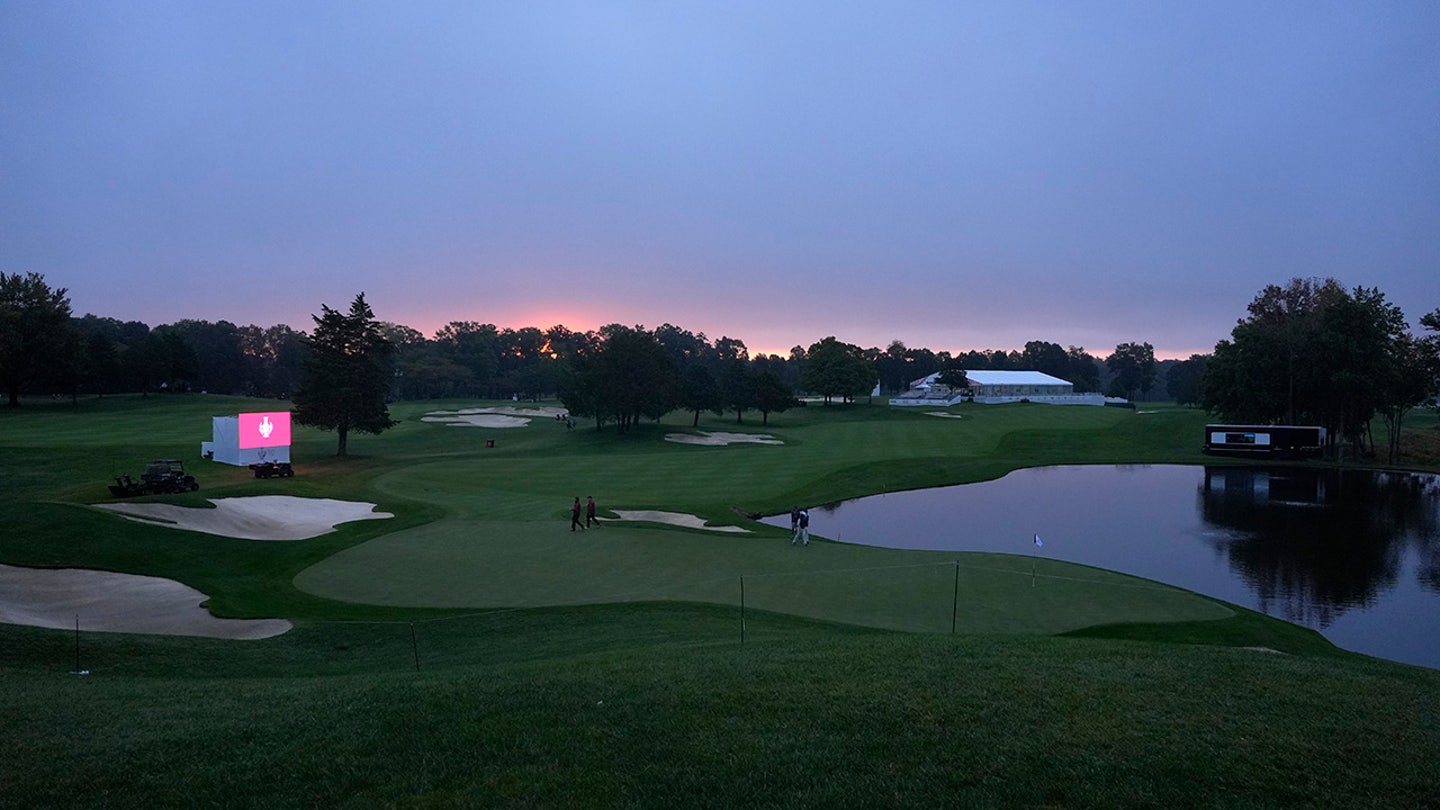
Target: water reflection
[
  {"x": 1353, "y": 554},
  {"x": 1313, "y": 544}
]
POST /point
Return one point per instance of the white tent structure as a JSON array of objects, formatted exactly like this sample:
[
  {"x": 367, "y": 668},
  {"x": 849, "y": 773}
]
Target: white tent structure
[
  {"x": 249, "y": 438},
  {"x": 992, "y": 387}
]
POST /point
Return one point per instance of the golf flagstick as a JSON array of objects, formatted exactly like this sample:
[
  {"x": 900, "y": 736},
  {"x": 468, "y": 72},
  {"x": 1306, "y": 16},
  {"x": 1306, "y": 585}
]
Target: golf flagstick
[{"x": 1034, "y": 552}]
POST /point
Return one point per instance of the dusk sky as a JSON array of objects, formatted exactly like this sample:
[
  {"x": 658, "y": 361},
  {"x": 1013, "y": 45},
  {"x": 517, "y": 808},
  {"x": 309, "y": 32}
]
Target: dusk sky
[{"x": 953, "y": 175}]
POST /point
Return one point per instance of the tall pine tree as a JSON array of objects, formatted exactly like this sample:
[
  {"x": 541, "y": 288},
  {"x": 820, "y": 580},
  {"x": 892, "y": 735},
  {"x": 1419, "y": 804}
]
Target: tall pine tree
[{"x": 346, "y": 374}]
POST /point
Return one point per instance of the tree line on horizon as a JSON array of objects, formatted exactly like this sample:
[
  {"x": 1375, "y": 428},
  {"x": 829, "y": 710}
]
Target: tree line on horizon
[
  {"x": 1341, "y": 357},
  {"x": 95, "y": 356}
]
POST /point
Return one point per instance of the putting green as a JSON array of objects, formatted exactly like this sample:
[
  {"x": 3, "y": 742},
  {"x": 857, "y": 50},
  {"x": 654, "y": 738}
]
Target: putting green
[{"x": 467, "y": 563}]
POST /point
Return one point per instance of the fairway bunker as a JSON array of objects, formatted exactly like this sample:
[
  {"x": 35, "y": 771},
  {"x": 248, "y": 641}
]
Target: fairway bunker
[
  {"x": 675, "y": 519},
  {"x": 708, "y": 439},
  {"x": 108, "y": 602},
  {"x": 498, "y": 417},
  {"x": 262, "y": 517}
]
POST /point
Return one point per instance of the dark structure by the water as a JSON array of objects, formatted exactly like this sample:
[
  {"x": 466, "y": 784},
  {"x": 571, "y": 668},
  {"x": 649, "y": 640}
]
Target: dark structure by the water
[{"x": 1273, "y": 441}]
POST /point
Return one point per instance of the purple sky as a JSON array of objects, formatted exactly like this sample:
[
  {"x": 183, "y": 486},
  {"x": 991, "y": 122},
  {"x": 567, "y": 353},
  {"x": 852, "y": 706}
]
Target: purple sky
[{"x": 953, "y": 175}]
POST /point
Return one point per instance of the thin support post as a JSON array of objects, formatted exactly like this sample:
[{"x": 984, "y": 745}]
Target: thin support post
[
  {"x": 742, "y": 610},
  {"x": 415, "y": 646},
  {"x": 77, "y": 642},
  {"x": 955, "y": 603}
]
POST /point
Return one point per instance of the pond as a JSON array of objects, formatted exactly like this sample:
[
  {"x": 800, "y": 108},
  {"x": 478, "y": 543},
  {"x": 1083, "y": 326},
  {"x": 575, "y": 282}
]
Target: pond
[{"x": 1353, "y": 554}]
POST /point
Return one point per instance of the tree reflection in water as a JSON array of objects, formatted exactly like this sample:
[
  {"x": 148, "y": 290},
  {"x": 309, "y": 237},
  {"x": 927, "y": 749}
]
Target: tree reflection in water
[{"x": 1319, "y": 542}]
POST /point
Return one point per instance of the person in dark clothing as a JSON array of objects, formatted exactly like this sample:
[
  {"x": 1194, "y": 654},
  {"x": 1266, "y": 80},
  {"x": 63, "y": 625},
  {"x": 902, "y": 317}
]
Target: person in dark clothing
[
  {"x": 575, "y": 514},
  {"x": 590, "y": 512}
]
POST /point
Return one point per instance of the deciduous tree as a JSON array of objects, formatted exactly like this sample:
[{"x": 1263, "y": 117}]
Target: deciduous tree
[
  {"x": 477, "y": 347},
  {"x": 626, "y": 376},
  {"x": 34, "y": 331},
  {"x": 218, "y": 352},
  {"x": 1084, "y": 370},
  {"x": 772, "y": 395},
  {"x": 1046, "y": 358},
  {"x": 737, "y": 386},
  {"x": 1312, "y": 353},
  {"x": 838, "y": 369},
  {"x": 701, "y": 392},
  {"x": 1184, "y": 378},
  {"x": 1133, "y": 365},
  {"x": 952, "y": 376}
]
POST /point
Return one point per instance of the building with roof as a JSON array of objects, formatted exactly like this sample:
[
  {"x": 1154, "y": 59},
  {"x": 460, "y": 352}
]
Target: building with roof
[{"x": 992, "y": 387}]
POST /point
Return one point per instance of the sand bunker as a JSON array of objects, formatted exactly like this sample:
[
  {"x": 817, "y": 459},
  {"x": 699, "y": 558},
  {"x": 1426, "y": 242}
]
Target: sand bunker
[
  {"x": 499, "y": 417},
  {"x": 117, "y": 603},
  {"x": 263, "y": 517},
  {"x": 944, "y": 414},
  {"x": 486, "y": 420},
  {"x": 676, "y": 519},
  {"x": 709, "y": 439}
]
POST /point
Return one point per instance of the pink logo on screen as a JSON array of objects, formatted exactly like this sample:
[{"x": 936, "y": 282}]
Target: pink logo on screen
[{"x": 264, "y": 430}]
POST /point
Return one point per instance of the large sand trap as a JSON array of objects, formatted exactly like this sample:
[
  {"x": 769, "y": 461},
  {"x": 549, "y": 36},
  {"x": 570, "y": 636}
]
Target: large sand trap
[
  {"x": 117, "y": 603},
  {"x": 263, "y": 517},
  {"x": 486, "y": 420},
  {"x": 499, "y": 417},
  {"x": 675, "y": 519},
  {"x": 709, "y": 439}
]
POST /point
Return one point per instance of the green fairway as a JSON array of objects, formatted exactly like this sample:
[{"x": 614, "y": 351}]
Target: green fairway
[
  {"x": 480, "y": 526},
  {"x": 505, "y": 540},
  {"x": 472, "y": 650}
]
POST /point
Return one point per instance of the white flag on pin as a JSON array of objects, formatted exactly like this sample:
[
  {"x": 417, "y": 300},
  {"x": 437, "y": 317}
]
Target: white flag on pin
[{"x": 1038, "y": 541}]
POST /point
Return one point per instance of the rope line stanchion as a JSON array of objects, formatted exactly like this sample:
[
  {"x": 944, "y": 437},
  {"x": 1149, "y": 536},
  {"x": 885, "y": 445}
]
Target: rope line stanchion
[
  {"x": 955, "y": 603},
  {"x": 415, "y": 646},
  {"x": 742, "y": 610}
]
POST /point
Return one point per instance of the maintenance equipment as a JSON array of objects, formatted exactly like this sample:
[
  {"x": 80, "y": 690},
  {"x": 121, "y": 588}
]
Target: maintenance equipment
[{"x": 163, "y": 476}]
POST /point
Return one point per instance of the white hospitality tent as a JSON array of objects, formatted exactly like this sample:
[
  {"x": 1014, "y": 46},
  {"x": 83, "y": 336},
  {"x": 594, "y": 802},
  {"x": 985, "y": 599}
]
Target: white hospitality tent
[{"x": 998, "y": 386}]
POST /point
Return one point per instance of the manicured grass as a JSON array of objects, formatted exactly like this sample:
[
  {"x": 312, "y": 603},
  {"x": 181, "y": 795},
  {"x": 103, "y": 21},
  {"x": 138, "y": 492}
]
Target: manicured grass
[
  {"x": 460, "y": 564},
  {"x": 481, "y": 526},
  {"x": 661, "y": 706},
  {"x": 474, "y": 652}
]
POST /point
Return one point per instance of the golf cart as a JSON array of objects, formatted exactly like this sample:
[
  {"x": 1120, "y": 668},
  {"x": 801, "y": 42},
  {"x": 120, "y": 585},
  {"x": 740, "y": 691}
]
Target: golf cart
[{"x": 161, "y": 477}]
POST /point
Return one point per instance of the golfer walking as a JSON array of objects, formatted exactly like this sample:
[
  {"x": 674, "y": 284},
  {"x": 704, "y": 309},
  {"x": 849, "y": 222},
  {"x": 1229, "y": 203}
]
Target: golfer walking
[
  {"x": 575, "y": 514},
  {"x": 590, "y": 512}
]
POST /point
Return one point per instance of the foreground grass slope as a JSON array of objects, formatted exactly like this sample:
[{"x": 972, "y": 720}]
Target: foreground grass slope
[
  {"x": 437, "y": 699},
  {"x": 661, "y": 706}
]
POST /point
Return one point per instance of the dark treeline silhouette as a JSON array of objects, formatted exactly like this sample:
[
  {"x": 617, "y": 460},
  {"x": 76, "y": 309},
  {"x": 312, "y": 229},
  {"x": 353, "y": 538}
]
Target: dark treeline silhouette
[
  {"x": 95, "y": 355},
  {"x": 472, "y": 359},
  {"x": 1310, "y": 352},
  {"x": 189, "y": 355}
]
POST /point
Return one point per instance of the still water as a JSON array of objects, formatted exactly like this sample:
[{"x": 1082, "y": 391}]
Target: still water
[{"x": 1354, "y": 555}]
